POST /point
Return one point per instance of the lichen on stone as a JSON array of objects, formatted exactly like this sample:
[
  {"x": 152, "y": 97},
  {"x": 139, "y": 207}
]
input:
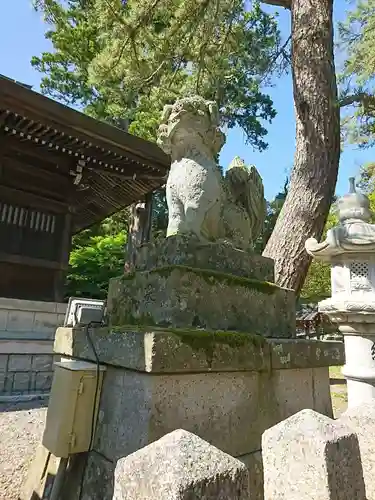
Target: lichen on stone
[
  {"x": 180, "y": 296},
  {"x": 210, "y": 276}
]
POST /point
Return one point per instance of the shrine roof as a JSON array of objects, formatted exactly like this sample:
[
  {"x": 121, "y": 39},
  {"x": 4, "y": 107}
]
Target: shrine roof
[{"x": 107, "y": 168}]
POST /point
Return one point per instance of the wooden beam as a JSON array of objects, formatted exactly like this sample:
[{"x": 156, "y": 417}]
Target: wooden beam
[
  {"x": 51, "y": 158},
  {"x": 22, "y": 164},
  {"x": 41, "y": 153},
  {"x": 66, "y": 244},
  {"x": 131, "y": 171},
  {"x": 30, "y": 261},
  {"x": 22, "y": 197},
  {"x": 39, "y": 108}
]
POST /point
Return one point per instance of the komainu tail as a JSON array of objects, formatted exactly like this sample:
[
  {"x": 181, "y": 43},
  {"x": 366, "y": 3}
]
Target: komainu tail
[{"x": 246, "y": 187}]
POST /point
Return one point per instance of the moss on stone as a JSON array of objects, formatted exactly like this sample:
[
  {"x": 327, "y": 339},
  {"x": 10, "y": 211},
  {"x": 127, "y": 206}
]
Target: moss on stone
[
  {"x": 201, "y": 339},
  {"x": 128, "y": 276},
  {"x": 205, "y": 340},
  {"x": 211, "y": 276},
  {"x": 127, "y": 318}
]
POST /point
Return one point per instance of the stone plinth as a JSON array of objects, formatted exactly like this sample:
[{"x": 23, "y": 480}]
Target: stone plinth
[
  {"x": 226, "y": 388},
  {"x": 190, "y": 252},
  {"x": 156, "y": 350},
  {"x": 180, "y": 297},
  {"x": 176, "y": 295}
]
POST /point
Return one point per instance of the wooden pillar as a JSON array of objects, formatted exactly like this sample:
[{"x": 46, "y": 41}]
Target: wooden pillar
[
  {"x": 139, "y": 230},
  {"x": 66, "y": 244}
]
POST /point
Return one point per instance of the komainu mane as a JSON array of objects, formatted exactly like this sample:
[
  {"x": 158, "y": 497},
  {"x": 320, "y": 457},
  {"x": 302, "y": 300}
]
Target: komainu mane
[{"x": 200, "y": 199}]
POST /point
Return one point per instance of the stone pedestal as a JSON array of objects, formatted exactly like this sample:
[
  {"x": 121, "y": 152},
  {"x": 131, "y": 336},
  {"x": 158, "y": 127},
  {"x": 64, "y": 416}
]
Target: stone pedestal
[
  {"x": 200, "y": 339},
  {"x": 185, "y": 284},
  {"x": 226, "y": 388},
  {"x": 357, "y": 324}
]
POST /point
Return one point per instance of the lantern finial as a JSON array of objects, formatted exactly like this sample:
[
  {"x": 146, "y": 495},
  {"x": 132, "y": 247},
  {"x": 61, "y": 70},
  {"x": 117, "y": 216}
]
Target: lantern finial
[{"x": 352, "y": 185}]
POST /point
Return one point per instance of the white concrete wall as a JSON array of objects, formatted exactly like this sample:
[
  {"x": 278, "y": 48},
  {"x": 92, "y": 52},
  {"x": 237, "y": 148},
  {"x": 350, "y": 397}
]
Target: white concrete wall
[{"x": 27, "y": 330}]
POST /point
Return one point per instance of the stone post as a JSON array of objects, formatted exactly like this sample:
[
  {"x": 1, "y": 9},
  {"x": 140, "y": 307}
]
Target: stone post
[
  {"x": 180, "y": 466},
  {"x": 350, "y": 249},
  {"x": 362, "y": 420},
  {"x": 310, "y": 456}
]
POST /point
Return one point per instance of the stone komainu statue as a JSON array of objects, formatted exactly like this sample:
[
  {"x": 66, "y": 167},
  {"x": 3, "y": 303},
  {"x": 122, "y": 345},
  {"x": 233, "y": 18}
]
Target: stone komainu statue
[{"x": 200, "y": 199}]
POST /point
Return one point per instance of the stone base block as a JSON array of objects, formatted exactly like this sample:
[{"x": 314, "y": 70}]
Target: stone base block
[
  {"x": 225, "y": 388},
  {"x": 190, "y": 252},
  {"x": 183, "y": 297},
  {"x": 230, "y": 410},
  {"x": 309, "y": 456},
  {"x": 163, "y": 350},
  {"x": 180, "y": 466}
]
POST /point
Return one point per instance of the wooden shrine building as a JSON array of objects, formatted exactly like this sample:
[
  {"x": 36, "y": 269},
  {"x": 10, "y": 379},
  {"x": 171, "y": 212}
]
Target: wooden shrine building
[{"x": 60, "y": 172}]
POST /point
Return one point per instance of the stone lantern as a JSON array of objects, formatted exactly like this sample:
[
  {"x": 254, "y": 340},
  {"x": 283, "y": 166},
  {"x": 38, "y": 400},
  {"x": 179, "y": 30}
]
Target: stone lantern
[{"x": 350, "y": 249}]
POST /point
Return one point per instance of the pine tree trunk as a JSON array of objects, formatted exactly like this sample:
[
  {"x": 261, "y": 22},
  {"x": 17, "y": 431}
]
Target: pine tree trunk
[{"x": 316, "y": 161}]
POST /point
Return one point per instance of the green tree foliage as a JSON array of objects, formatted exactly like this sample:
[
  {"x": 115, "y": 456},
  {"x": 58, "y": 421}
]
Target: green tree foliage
[
  {"x": 318, "y": 280},
  {"x": 92, "y": 265},
  {"x": 123, "y": 61},
  {"x": 273, "y": 210},
  {"x": 111, "y": 226},
  {"x": 97, "y": 255},
  {"x": 357, "y": 40}
]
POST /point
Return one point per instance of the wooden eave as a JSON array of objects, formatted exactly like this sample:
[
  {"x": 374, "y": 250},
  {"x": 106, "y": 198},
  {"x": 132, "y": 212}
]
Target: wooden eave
[{"x": 118, "y": 168}]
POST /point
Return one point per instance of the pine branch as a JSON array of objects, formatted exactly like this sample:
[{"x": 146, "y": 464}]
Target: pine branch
[
  {"x": 367, "y": 100},
  {"x": 280, "y": 52},
  {"x": 151, "y": 77}
]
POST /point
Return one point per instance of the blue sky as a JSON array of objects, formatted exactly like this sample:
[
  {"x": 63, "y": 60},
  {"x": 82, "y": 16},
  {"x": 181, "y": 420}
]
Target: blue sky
[{"x": 22, "y": 36}]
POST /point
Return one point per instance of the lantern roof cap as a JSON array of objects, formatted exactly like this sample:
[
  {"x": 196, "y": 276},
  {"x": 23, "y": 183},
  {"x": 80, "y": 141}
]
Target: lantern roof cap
[{"x": 354, "y": 205}]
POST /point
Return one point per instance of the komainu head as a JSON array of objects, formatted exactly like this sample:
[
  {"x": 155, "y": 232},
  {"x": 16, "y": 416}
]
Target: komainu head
[{"x": 190, "y": 121}]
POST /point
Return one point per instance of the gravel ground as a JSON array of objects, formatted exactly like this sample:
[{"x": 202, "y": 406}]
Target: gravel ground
[
  {"x": 21, "y": 429},
  {"x": 339, "y": 393}
]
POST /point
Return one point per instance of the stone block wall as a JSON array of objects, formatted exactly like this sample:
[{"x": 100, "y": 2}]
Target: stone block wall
[{"x": 27, "y": 331}]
